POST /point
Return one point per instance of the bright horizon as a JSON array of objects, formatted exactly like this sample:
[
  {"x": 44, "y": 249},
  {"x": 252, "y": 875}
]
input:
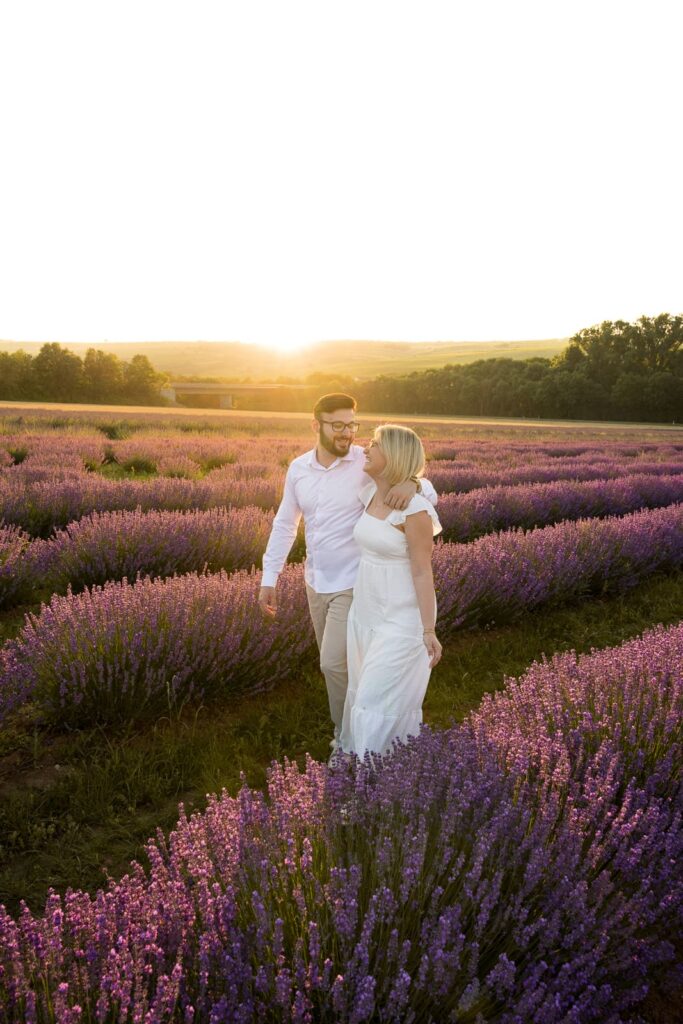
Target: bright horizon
[{"x": 285, "y": 174}]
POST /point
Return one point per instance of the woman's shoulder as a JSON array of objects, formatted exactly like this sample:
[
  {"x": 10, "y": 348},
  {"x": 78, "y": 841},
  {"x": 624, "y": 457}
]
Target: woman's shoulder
[{"x": 418, "y": 503}]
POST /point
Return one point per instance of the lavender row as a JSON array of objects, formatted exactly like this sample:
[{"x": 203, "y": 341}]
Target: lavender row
[
  {"x": 467, "y": 516},
  {"x": 482, "y": 451},
  {"x": 89, "y": 448},
  {"x": 521, "y": 867},
  {"x": 621, "y": 704},
  {"x": 116, "y": 545},
  {"x": 112, "y": 545},
  {"x": 128, "y": 651},
  {"x": 84, "y": 654},
  {"x": 45, "y": 505},
  {"x": 448, "y": 478},
  {"x": 497, "y": 578},
  {"x": 47, "y": 500}
]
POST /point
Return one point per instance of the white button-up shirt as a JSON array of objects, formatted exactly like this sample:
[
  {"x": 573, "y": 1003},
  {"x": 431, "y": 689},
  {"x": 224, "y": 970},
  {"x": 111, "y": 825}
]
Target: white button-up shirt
[{"x": 327, "y": 497}]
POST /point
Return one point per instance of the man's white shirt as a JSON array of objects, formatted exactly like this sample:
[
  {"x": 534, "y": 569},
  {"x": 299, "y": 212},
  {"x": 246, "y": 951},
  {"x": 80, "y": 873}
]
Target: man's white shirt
[{"x": 328, "y": 498}]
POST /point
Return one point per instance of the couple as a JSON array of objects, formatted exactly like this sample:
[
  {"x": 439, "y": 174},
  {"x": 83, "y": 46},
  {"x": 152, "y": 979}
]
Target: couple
[{"x": 368, "y": 572}]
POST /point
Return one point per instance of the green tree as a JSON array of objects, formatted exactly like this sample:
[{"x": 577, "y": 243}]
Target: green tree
[
  {"x": 601, "y": 352},
  {"x": 547, "y": 400},
  {"x": 610, "y": 349},
  {"x": 15, "y": 376},
  {"x": 141, "y": 382},
  {"x": 630, "y": 400},
  {"x": 664, "y": 397},
  {"x": 102, "y": 376},
  {"x": 657, "y": 342},
  {"x": 57, "y": 374}
]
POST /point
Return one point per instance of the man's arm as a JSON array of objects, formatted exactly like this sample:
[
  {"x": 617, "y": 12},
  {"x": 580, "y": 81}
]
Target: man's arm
[
  {"x": 400, "y": 495},
  {"x": 282, "y": 536}
]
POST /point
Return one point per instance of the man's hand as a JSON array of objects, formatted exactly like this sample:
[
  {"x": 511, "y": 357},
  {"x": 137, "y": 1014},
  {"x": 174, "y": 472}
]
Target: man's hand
[
  {"x": 267, "y": 601},
  {"x": 400, "y": 495}
]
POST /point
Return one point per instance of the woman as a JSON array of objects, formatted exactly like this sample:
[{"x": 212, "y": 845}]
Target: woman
[{"x": 391, "y": 640}]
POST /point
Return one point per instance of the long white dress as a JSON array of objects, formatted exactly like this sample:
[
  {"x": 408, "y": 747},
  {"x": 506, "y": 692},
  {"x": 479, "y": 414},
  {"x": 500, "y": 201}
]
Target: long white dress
[{"x": 388, "y": 662}]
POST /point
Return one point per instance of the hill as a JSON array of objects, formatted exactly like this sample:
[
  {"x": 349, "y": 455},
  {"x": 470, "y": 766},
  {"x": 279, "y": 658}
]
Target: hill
[{"x": 360, "y": 359}]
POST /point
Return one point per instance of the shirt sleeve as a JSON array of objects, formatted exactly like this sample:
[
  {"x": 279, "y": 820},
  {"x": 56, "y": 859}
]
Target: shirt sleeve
[
  {"x": 417, "y": 504},
  {"x": 428, "y": 490},
  {"x": 282, "y": 534}
]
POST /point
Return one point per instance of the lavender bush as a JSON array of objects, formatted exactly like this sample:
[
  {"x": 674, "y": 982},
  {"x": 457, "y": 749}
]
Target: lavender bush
[
  {"x": 179, "y": 466},
  {"x": 509, "y": 870},
  {"x": 125, "y": 651},
  {"x": 604, "y": 733},
  {"x": 42, "y": 506},
  {"x": 496, "y": 449},
  {"x": 496, "y": 578},
  {"x": 459, "y": 477},
  {"x": 113, "y": 545},
  {"x": 485, "y": 510},
  {"x": 73, "y": 448}
]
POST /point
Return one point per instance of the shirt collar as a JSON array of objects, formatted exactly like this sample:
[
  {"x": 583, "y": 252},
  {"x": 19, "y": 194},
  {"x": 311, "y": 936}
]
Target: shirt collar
[{"x": 313, "y": 461}]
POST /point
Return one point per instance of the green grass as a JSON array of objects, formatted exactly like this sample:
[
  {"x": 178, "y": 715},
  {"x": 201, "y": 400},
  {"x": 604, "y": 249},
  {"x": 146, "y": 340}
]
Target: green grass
[
  {"x": 11, "y": 622},
  {"x": 116, "y": 471},
  {"x": 75, "y": 805}
]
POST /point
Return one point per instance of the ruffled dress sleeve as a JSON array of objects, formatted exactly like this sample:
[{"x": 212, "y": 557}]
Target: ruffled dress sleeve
[{"x": 417, "y": 504}]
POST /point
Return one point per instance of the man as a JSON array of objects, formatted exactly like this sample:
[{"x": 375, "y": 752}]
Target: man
[{"x": 323, "y": 486}]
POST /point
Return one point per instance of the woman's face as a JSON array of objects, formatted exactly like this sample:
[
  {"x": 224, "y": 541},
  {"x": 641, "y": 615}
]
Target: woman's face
[{"x": 375, "y": 460}]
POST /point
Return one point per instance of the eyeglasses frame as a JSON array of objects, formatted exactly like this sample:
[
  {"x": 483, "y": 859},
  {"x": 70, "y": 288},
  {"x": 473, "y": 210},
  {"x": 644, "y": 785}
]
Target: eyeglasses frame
[{"x": 338, "y": 426}]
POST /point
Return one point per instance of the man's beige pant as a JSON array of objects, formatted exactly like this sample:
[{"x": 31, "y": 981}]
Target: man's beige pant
[{"x": 329, "y": 613}]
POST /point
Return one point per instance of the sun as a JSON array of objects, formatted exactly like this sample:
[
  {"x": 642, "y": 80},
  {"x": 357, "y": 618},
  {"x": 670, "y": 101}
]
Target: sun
[{"x": 282, "y": 342}]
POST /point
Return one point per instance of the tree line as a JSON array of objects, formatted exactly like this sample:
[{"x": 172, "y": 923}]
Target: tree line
[
  {"x": 613, "y": 371},
  {"x": 58, "y": 375}
]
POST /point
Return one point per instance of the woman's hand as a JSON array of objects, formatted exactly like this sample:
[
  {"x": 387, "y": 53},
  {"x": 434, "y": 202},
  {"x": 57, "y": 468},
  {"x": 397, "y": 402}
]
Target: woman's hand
[{"x": 433, "y": 646}]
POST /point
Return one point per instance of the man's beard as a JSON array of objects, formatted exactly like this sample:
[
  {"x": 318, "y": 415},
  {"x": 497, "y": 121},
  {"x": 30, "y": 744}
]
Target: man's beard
[{"x": 331, "y": 445}]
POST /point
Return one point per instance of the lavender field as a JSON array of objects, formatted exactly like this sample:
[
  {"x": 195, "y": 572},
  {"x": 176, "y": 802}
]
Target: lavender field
[{"x": 518, "y": 862}]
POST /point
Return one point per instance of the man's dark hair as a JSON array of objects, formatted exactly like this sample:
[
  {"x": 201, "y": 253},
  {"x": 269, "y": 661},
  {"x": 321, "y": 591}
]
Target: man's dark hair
[{"x": 328, "y": 403}]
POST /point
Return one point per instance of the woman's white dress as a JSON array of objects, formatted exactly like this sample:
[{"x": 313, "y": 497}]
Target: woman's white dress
[{"x": 388, "y": 662}]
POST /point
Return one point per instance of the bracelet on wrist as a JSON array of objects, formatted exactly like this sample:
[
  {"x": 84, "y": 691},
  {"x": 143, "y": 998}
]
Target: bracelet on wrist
[{"x": 429, "y": 631}]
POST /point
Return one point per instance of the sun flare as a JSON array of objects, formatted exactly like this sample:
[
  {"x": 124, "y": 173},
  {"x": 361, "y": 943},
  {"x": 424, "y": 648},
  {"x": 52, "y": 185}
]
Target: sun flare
[{"x": 284, "y": 344}]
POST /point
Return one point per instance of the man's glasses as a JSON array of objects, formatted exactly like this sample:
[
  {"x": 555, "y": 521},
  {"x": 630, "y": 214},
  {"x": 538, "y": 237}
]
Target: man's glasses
[{"x": 338, "y": 426}]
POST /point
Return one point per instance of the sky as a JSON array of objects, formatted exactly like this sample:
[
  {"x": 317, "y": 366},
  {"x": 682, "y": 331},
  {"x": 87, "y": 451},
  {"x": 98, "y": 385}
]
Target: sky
[{"x": 287, "y": 173}]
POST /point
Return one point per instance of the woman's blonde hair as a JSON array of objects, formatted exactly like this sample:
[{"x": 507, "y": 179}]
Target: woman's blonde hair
[{"x": 403, "y": 451}]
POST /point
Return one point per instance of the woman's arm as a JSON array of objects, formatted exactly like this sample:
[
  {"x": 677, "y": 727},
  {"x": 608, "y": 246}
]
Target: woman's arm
[{"x": 419, "y": 534}]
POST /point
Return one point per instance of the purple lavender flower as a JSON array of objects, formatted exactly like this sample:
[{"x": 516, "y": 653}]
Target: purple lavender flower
[{"x": 528, "y": 872}]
